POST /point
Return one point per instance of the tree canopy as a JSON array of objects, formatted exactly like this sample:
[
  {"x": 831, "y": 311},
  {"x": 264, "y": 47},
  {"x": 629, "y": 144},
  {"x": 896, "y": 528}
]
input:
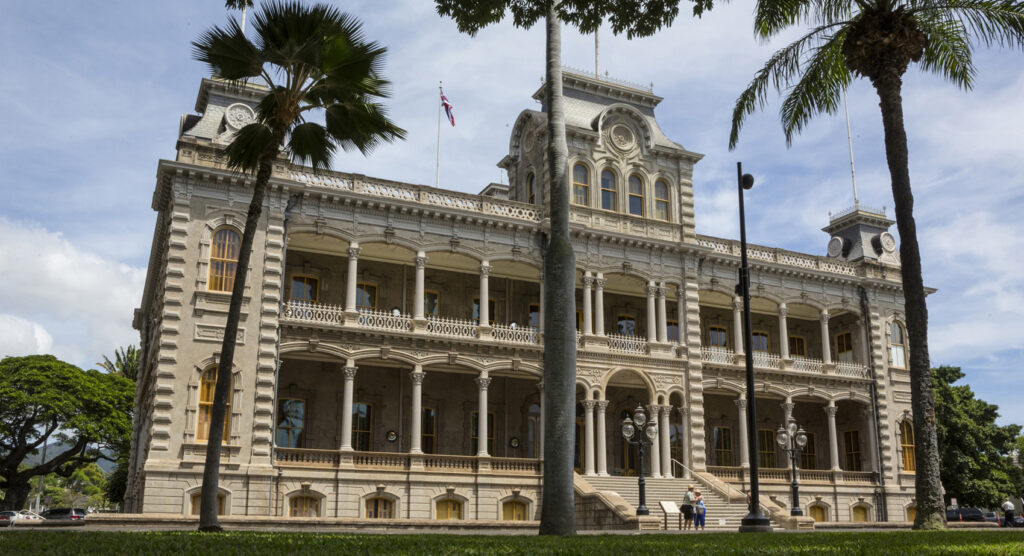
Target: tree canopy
[
  {"x": 125, "y": 363},
  {"x": 977, "y": 468},
  {"x": 43, "y": 398}
]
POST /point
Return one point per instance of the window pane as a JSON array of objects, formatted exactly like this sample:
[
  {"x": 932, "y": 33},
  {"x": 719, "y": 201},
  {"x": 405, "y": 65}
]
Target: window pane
[
  {"x": 766, "y": 448},
  {"x": 797, "y": 347},
  {"x": 660, "y": 190},
  {"x": 534, "y": 315},
  {"x": 717, "y": 337},
  {"x": 431, "y": 303},
  {"x": 580, "y": 174},
  {"x": 759, "y": 341},
  {"x": 627, "y": 326},
  {"x": 608, "y": 190},
  {"x": 290, "y": 423},
  {"x": 636, "y": 196},
  {"x": 661, "y": 210},
  {"x": 673, "y": 331}
]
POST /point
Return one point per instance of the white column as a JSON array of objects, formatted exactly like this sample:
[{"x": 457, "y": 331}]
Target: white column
[
  {"x": 662, "y": 322},
  {"x": 684, "y": 416},
  {"x": 540, "y": 425},
  {"x": 652, "y": 320},
  {"x": 602, "y": 439},
  {"x": 417, "y": 297},
  {"x": 652, "y": 414},
  {"x": 737, "y": 326},
  {"x": 416, "y": 434},
  {"x": 588, "y": 316},
  {"x": 350, "y": 292},
  {"x": 346, "y": 405},
  {"x": 783, "y": 332},
  {"x": 664, "y": 433},
  {"x": 540, "y": 313},
  {"x": 681, "y": 313},
  {"x": 787, "y": 410},
  {"x": 485, "y": 314},
  {"x": 599, "y": 304},
  {"x": 482, "y": 383},
  {"x": 826, "y": 347},
  {"x": 741, "y": 404},
  {"x": 588, "y": 437},
  {"x": 833, "y": 441}
]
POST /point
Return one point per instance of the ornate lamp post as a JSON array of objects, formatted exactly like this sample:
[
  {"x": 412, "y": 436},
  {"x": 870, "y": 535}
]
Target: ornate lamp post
[
  {"x": 792, "y": 439},
  {"x": 640, "y": 432},
  {"x": 755, "y": 521}
]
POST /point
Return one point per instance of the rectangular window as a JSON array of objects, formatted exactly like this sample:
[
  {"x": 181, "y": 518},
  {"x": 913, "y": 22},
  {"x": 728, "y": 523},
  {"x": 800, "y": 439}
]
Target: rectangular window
[
  {"x": 723, "y": 445},
  {"x": 809, "y": 457},
  {"x": 305, "y": 288},
  {"x": 844, "y": 347},
  {"x": 475, "y": 428},
  {"x": 627, "y": 325},
  {"x": 661, "y": 200},
  {"x": 379, "y": 508},
  {"x": 907, "y": 446},
  {"x": 608, "y": 192},
  {"x": 362, "y": 427},
  {"x": 491, "y": 311},
  {"x": 759, "y": 341},
  {"x": 431, "y": 303},
  {"x": 366, "y": 297},
  {"x": 851, "y": 443},
  {"x": 535, "y": 315},
  {"x": 766, "y": 448},
  {"x": 718, "y": 337},
  {"x": 636, "y": 196},
  {"x": 579, "y": 321},
  {"x": 797, "y": 347},
  {"x": 428, "y": 435},
  {"x": 291, "y": 422},
  {"x": 673, "y": 331},
  {"x": 449, "y": 509}
]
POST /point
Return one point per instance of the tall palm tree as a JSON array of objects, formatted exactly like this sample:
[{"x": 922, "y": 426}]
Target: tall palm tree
[
  {"x": 313, "y": 60},
  {"x": 878, "y": 39},
  {"x": 125, "y": 363}
]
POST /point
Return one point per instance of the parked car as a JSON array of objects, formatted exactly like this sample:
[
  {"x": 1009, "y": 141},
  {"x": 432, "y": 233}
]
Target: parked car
[
  {"x": 965, "y": 514},
  {"x": 7, "y": 519},
  {"x": 992, "y": 517},
  {"x": 65, "y": 513}
]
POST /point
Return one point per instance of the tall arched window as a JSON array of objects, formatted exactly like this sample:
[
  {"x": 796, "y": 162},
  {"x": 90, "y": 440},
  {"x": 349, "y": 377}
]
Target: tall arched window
[
  {"x": 608, "y": 190},
  {"x": 907, "y": 446},
  {"x": 636, "y": 196},
  {"x": 898, "y": 345},
  {"x": 224, "y": 259},
  {"x": 580, "y": 185},
  {"x": 304, "y": 506},
  {"x": 531, "y": 191},
  {"x": 448, "y": 509},
  {"x": 207, "y": 384},
  {"x": 661, "y": 200},
  {"x": 380, "y": 508},
  {"x": 513, "y": 510}
]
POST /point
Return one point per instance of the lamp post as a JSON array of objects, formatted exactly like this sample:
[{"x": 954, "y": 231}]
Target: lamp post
[
  {"x": 640, "y": 431},
  {"x": 755, "y": 521},
  {"x": 792, "y": 439}
]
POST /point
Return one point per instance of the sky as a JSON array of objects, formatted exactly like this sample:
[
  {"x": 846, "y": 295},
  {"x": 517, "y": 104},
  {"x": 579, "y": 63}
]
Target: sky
[{"x": 94, "y": 92}]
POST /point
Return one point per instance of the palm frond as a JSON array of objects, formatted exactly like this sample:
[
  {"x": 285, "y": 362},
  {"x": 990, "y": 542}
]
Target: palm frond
[
  {"x": 819, "y": 88},
  {"x": 228, "y": 53},
  {"x": 237, "y": 4},
  {"x": 360, "y": 125},
  {"x": 250, "y": 143},
  {"x": 999, "y": 22},
  {"x": 308, "y": 144},
  {"x": 949, "y": 52}
]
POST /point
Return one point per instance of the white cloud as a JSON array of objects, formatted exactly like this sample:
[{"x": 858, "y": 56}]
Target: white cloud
[{"x": 19, "y": 336}]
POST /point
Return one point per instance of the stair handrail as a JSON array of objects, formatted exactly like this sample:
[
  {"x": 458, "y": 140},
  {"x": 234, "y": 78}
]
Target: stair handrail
[{"x": 723, "y": 489}]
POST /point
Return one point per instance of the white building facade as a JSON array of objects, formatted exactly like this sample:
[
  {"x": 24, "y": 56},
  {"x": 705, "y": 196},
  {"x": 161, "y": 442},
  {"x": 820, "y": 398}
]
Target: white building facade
[{"x": 390, "y": 347}]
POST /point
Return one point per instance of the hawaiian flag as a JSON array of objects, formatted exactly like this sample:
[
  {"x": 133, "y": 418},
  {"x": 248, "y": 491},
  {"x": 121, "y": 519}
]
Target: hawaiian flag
[{"x": 448, "y": 108}]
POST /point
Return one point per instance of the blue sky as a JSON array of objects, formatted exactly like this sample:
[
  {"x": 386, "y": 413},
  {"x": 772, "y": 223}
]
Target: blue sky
[{"x": 94, "y": 93}]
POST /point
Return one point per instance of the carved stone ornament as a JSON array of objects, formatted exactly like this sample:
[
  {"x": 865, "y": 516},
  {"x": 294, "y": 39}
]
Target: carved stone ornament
[
  {"x": 888, "y": 242},
  {"x": 622, "y": 137},
  {"x": 238, "y": 115},
  {"x": 529, "y": 141}
]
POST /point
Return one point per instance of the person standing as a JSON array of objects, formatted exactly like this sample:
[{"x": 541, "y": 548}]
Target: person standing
[
  {"x": 700, "y": 512},
  {"x": 688, "y": 499},
  {"x": 1008, "y": 513}
]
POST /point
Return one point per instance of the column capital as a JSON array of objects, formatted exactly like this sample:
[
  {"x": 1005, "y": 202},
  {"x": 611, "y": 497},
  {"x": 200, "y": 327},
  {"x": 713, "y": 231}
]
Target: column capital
[
  {"x": 540, "y": 386},
  {"x": 601, "y": 405},
  {"x": 417, "y": 377},
  {"x": 588, "y": 281},
  {"x": 666, "y": 410},
  {"x": 823, "y": 317},
  {"x": 421, "y": 262},
  {"x": 783, "y": 310},
  {"x": 350, "y": 372},
  {"x": 652, "y": 410},
  {"x": 651, "y": 290},
  {"x": 737, "y": 303},
  {"x": 831, "y": 410},
  {"x": 683, "y": 411},
  {"x": 599, "y": 283},
  {"x": 660, "y": 290},
  {"x": 588, "y": 404},
  {"x": 483, "y": 382},
  {"x": 353, "y": 252},
  {"x": 485, "y": 269},
  {"x": 741, "y": 403}
]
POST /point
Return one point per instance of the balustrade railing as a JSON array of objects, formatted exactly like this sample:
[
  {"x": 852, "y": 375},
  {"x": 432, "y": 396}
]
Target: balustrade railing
[
  {"x": 726, "y": 472},
  {"x": 458, "y": 328},
  {"x": 380, "y": 460},
  {"x": 440, "y": 462},
  {"x": 863, "y": 477},
  {"x": 851, "y": 369},
  {"x": 778, "y": 256},
  {"x": 516, "y": 465},
  {"x": 627, "y": 344},
  {"x": 719, "y": 355},
  {"x": 781, "y": 474},
  {"x": 307, "y": 458},
  {"x": 304, "y": 311},
  {"x": 383, "y": 320},
  {"x": 807, "y": 365},
  {"x": 767, "y": 360},
  {"x": 515, "y": 335}
]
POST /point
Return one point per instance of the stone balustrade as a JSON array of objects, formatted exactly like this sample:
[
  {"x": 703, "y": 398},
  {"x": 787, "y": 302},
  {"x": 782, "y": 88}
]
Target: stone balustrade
[{"x": 627, "y": 344}]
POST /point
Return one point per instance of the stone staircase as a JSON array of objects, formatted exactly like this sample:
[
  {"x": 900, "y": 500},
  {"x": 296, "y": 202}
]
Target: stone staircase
[{"x": 721, "y": 514}]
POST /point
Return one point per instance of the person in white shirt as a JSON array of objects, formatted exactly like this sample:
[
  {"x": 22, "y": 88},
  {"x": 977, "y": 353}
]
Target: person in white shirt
[
  {"x": 1008, "y": 513},
  {"x": 688, "y": 499}
]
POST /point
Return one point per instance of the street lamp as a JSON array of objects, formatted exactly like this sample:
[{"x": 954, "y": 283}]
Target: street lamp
[
  {"x": 755, "y": 522},
  {"x": 644, "y": 432},
  {"x": 792, "y": 439}
]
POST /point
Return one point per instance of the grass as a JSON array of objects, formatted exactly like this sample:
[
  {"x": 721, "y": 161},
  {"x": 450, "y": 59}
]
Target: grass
[{"x": 177, "y": 543}]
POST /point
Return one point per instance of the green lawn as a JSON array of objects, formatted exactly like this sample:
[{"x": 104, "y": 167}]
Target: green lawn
[{"x": 247, "y": 543}]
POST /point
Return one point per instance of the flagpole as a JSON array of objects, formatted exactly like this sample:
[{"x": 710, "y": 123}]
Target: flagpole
[
  {"x": 437, "y": 165},
  {"x": 849, "y": 141}
]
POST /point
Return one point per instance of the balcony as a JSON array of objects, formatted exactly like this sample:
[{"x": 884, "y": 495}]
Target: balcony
[
  {"x": 719, "y": 356},
  {"x": 302, "y": 458},
  {"x": 771, "y": 475}
]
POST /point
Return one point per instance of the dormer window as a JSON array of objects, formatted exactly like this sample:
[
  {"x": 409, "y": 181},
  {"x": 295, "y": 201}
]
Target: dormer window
[
  {"x": 580, "y": 185},
  {"x": 636, "y": 196},
  {"x": 661, "y": 200},
  {"x": 608, "y": 190}
]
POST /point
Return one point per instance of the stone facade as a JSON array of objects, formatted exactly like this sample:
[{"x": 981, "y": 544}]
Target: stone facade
[{"x": 393, "y": 325}]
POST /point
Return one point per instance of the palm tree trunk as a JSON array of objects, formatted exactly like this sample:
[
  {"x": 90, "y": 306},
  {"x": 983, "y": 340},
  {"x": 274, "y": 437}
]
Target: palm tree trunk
[
  {"x": 211, "y": 471},
  {"x": 558, "y": 508},
  {"x": 928, "y": 487}
]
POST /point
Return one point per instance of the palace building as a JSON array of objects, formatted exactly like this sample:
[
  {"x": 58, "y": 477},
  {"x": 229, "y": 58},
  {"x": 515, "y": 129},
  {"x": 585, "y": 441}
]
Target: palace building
[{"x": 390, "y": 347}]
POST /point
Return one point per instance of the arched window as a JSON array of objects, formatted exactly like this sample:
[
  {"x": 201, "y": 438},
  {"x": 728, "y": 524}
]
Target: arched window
[
  {"x": 907, "y": 446},
  {"x": 195, "y": 501},
  {"x": 636, "y": 196},
  {"x": 580, "y": 185},
  {"x": 898, "y": 345},
  {"x": 380, "y": 508},
  {"x": 531, "y": 188},
  {"x": 223, "y": 259},
  {"x": 911, "y": 513},
  {"x": 207, "y": 384},
  {"x": 608, "y": 190},
  {"x": 513, "y": 510},
  {"x": 448, "y": 509},
  {"x": 818, "y": 512},
  {"x": 661, "y": 200},
  {"x": 860, "y": 514},
  {"x": 304, "y": 506}
]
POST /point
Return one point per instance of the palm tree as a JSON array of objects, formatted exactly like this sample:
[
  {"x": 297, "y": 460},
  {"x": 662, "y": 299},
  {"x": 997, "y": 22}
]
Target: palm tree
[
  {"x": 243, "y": 5},
  {"x": 313, "y": 60},
  {"x": 878, "y": 39},
  {"x": 125, "y": 363}
]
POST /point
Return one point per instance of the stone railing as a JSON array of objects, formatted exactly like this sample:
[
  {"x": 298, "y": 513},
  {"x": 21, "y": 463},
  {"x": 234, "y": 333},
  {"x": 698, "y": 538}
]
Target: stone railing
[
  {"x": 719, "y": 355},
  {"x": 816, "y": 475},
  {"x": 380, "y": 460},
  {"x": 457, "y": 328},
  {"x": 515, "y": 334},
  {"x": 437, "y": 462},
  {"x": 624, "y": 224},
  {"x": 860, "y": 477},
  {"x": 807, "y": 365},
  {"x": 384, "y": 320},
  {"x": 726, "y": 472},
  {"x": 767, "y": 360},
  {"x": 627, "y": 344},
  {"x": 736, "y": 474},
  {"x": 516, "y": 465},
  {"x": 773, "y": 474},
  {"x": 778, "y": 256},
  {"x": 303, "y": 311},
  {"x": 429, "y": 196},
  {"x": 307, "y": 458},
  {"x": 857, "y": 370}
]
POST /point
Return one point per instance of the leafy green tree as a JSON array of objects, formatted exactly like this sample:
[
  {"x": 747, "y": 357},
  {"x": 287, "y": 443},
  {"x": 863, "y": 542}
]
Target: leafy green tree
[
  {"x": 44, "y": 400},
  {"x": 314, "y": 60},
  {"x": 636, "y": 19},
  {"x": 977, "y": 467},
  {"x": 125, "y": 363},
  {"x": 878, "y": 39}
]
